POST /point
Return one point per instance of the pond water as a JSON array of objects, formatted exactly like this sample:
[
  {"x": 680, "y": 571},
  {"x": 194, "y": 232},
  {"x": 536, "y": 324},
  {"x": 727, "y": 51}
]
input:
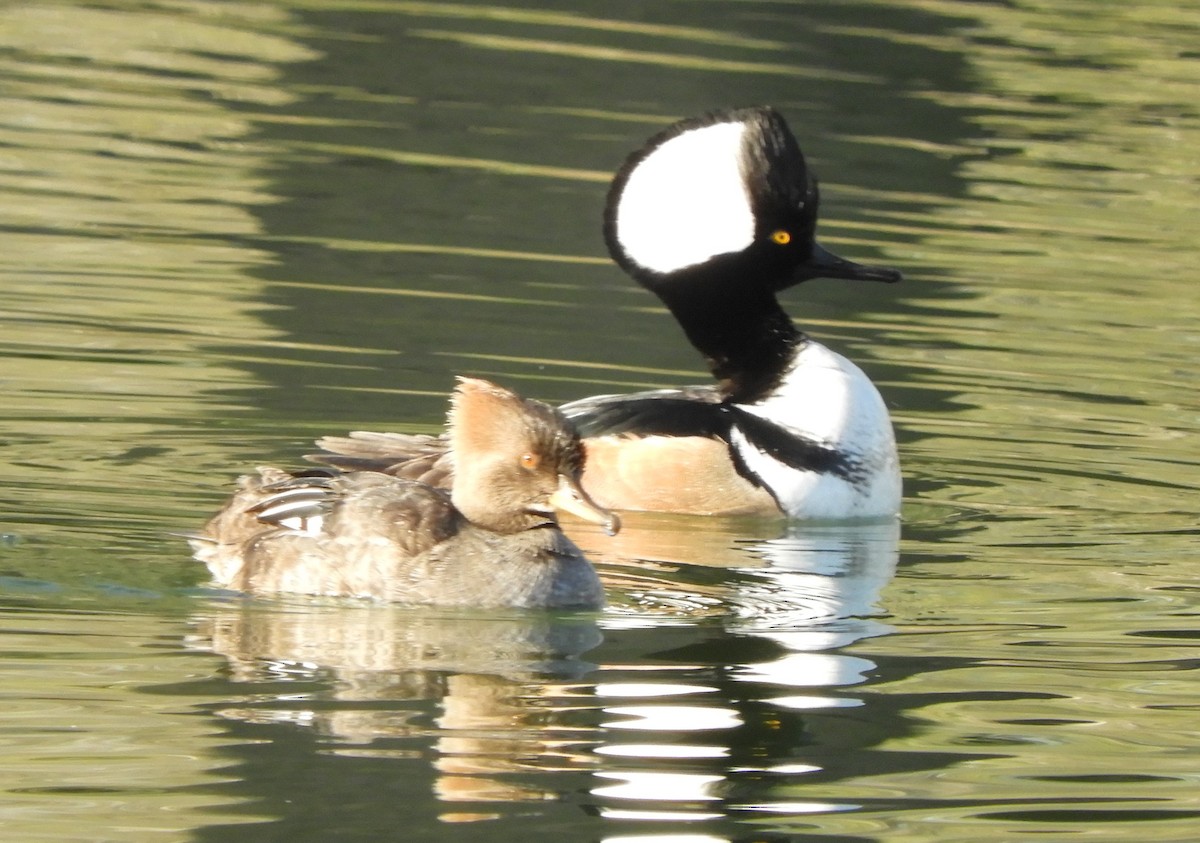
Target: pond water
[{"x": 231, "y": 227}]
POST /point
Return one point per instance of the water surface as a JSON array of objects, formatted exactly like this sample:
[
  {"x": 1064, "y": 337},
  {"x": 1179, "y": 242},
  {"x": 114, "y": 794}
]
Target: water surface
[{"x": 229, "y": 228}]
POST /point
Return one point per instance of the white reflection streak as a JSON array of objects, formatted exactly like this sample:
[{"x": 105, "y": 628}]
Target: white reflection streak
[
  {"x": 648, "y": 689},
  {"x": 802, "y": 703},
  {"x": 664, "y": 816},
  {"x": 673, "y": 718},
  {"x": 807, "y": 670},
  {"x": 793, "y": 769},
  {"x": 666, "y": 838},
  {"x": 660, "y": 787},
  {"x": 663, "y": 750},
  {"x": 801, "y": 807}
]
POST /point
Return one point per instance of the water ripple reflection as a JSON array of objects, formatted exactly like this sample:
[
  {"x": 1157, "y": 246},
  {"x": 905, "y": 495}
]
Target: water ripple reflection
[
  {"x": 492, "y": 712},
  {"x": 230, "y": 227}
]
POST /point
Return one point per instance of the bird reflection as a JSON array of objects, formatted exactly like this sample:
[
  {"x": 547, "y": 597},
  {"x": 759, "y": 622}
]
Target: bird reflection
[
  {"x": 776, "y": 680},
  {"x": 675, "y": 714}
]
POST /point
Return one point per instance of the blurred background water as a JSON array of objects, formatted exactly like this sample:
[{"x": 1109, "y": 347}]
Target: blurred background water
[{"x": 226, "y": 228}]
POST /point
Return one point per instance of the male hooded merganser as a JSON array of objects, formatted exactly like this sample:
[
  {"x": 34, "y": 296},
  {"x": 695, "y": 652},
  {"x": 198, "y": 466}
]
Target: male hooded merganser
[
  {"x": 715, "y": 216},
  {"x": 493, "y": 541}
]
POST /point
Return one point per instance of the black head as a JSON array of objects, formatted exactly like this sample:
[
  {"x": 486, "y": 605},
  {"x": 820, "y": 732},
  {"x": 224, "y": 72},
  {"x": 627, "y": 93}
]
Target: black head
[{"x": 730, "y": 189}]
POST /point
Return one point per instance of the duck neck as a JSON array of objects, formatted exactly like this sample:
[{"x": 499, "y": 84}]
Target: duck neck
[{"x": 746, "y": 338}]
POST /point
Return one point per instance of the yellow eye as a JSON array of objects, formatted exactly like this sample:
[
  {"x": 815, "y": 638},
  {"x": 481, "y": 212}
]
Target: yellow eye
[
  {"x": 781, "y": 237},
  {"x": 529, "y": 460}
]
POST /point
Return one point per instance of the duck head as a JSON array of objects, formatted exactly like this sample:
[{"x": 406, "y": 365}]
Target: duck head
[
  {"x": 516, "y": 461},
  {"x": 716, "y": 215},
  {"x": 724, "y": 196}
]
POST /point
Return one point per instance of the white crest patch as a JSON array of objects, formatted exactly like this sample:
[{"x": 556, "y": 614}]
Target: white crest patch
[{"x": 686, "y": 201}]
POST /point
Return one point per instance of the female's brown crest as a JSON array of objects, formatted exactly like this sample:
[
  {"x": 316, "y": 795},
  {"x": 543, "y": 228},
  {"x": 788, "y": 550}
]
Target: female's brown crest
[{"x": 485, "y": 418}]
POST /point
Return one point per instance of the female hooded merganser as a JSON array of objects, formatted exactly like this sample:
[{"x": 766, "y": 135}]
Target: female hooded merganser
[
  {"x": 715, "y": 216},
  {"x": 493, "y": 541}
]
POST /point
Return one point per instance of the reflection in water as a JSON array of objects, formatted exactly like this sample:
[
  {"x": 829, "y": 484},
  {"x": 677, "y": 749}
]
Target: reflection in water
[
  {"x": 513, "y": 709},
  {"x": 371, "y": 673},
  {"x": 737, "y": 731},
  {"x": 818, "y": 574},
  {"x": 377, "y": 668}
]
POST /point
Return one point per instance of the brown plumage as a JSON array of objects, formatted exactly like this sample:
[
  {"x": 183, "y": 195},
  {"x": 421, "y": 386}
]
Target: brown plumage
[
  {"x": 491, "y": 541},
  {"x": 688, "y": 474}
]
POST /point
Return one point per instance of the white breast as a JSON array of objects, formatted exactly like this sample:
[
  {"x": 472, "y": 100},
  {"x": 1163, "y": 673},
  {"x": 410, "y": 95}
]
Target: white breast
[{"x": 829, "y": 400}]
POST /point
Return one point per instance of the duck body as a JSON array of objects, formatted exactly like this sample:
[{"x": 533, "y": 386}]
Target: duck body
[
  {"x": 493, "y": 542},
  {"x": 819, "y": 446},
  {"x": 716, "y": 215},
  {"x": 389, "y": 539}
]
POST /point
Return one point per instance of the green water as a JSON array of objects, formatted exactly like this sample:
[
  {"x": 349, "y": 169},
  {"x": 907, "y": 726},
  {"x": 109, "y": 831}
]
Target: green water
[{"x": 227, "y": 228}]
